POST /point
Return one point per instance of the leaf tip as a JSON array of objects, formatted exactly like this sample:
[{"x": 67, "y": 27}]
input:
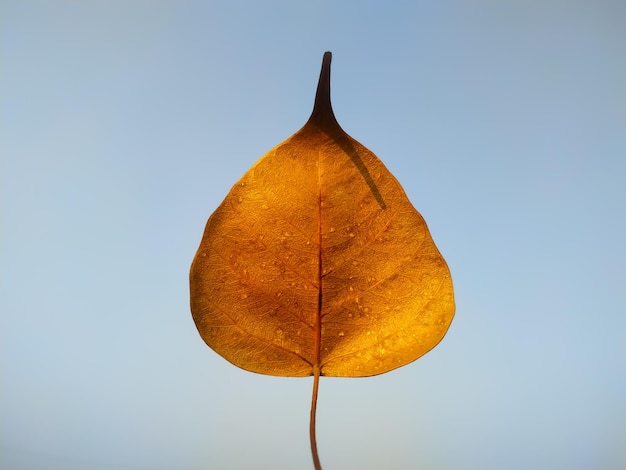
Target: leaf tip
[{"x": 322, "y": 114}]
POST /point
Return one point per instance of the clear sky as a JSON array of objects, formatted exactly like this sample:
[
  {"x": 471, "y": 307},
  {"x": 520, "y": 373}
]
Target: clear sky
[{"x": 125, "y": 123}]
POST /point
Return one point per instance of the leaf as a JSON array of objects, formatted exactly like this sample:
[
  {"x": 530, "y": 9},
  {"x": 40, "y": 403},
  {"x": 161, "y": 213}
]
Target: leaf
[{"x": 316, "y": 263}]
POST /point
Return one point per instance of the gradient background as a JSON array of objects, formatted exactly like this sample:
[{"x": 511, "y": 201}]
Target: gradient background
[{"x": 125, "y": 123}]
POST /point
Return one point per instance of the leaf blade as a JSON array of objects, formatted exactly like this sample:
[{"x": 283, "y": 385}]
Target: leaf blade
[{"x": 317, "y": 259}]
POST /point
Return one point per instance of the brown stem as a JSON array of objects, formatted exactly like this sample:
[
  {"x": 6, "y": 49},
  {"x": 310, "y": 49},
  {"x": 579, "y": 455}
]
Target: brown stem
[{"x": 316, "y": 382}]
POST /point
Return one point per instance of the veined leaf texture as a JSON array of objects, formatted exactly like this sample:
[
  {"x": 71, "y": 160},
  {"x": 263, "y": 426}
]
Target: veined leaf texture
[{"x": 316, "y": 263}]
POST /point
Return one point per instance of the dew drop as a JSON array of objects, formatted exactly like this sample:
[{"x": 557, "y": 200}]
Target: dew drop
[{"x": 279, "y": 336}]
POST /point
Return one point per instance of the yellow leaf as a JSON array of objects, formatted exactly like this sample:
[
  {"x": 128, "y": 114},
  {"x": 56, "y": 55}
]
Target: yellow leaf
[{"x": 316, "y": 262}]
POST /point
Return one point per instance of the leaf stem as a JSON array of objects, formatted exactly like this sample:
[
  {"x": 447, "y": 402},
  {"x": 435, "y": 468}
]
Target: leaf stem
[{"x": 316, "y": 382}]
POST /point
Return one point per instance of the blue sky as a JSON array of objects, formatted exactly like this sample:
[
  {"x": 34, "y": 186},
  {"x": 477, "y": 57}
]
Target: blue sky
[{"x": 123, "y": 126}]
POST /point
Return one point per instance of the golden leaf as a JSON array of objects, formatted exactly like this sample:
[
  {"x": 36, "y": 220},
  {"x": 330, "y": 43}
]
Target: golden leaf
[{"x": 316, "y": 263}]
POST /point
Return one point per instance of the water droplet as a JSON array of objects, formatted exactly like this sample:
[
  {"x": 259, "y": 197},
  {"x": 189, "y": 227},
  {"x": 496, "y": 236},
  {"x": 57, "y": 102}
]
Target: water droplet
[
  {"x": 341, "y": 334},
  {"x": 332, "y": 229},
  {"x": 279, "y": 336}
]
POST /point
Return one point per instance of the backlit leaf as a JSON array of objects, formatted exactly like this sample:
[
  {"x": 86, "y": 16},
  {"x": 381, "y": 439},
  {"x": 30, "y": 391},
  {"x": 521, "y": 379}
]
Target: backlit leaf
[{"x": 316, "y": 263}]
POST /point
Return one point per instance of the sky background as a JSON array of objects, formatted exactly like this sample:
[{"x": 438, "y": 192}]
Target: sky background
[{"x": 125, "y": 123}]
